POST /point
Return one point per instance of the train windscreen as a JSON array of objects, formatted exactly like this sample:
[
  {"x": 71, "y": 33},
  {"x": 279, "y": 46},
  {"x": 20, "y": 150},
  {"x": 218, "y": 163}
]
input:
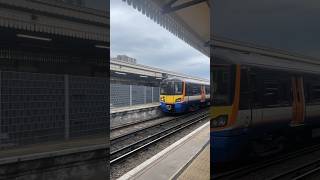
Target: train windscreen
[
  {"x": 222, "y": 84},
  {"x": 171, "y": 88}
]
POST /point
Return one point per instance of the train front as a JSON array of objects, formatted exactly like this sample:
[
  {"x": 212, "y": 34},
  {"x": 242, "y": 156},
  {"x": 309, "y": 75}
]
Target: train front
[
  {"x": 226, "y": 137},
  {"x": 172, "y": 96}
]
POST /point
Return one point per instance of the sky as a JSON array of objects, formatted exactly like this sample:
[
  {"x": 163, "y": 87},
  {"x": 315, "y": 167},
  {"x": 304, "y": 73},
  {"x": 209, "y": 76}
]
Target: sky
[
  {"x": 139, "y": 37},
  {"x": 290, "y": 25}
]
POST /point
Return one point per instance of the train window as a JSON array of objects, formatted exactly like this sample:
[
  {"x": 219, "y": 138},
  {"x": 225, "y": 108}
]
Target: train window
[
  {"x": 285, "y": 92},
  {"x": 255, "y": 88},
  {"x": 311, "y": 90},
  {"x": 188, "y": 89},
  {"x": 196, "y": 89},
  {"x": 244, "y": 90},
  {"x": 315, "y": 93},
  {"x": 207, "y": 89},
  {"x": 306, "y": 91},
  {"x": 271, "y": 94}
]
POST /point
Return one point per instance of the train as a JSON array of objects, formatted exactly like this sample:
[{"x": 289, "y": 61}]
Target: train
[
  {"x": 256, "y": 111},
  {"x": 181, "y": 95}
]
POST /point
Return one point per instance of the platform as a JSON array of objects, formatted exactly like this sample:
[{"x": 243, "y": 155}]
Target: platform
[
  {"x": 133, "y": 114},
  {"x": 199, "y": 168},
  {"x": 80, "y": 158},
  {"x": 133, "y": 108},
  {"x": 178, "y": 160}
]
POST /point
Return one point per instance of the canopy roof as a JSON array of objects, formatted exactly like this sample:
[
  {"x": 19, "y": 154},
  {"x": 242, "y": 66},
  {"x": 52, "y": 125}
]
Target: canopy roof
[{"x": 189, "y": 21}]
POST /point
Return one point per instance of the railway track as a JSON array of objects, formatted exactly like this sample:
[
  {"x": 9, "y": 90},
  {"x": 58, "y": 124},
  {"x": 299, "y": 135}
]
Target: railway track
[
  {"x": 300, "y": 172},
  {"x": 142, "y": 130},
  {"x": 126, "y": 125},
  {"x": 151, "y": 135}
]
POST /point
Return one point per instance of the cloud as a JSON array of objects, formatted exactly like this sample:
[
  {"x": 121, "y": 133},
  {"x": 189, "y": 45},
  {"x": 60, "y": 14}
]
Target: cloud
[{"x": 135, "y": 35}]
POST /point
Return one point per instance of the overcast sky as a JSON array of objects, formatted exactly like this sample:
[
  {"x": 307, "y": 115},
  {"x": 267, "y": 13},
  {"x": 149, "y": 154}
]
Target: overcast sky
[{"x": 135, "y": 35}]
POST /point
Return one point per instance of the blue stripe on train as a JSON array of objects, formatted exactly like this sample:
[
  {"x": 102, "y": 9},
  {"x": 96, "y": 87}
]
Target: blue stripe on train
[
  {"x": 181, "y": 107},
  {"x": 227, "y": 145},
  {"x": 177, "y": 107}
]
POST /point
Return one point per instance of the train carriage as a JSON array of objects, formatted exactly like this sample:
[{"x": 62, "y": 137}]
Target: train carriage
[
  {"x": 179, "y": 95},
  {"x": 257, "y": 109}
]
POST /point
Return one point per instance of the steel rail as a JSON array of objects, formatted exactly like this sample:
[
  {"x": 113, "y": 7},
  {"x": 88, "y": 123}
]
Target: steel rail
[
  {"x": 133, "y": 133},
  {"x": 133, "y": 148},
  {"x": 300, "y": 171},
  {"x": 243, "y": 171}
]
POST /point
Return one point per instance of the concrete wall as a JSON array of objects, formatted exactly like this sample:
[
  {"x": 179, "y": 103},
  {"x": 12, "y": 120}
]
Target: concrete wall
[{"x": 120, "y": 118}]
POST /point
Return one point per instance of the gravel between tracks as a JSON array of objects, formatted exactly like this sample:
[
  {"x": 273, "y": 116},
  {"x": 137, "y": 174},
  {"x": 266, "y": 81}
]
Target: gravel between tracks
[
  {"x": 119, "y": 169},
  {"x": 115, "y": 133}
]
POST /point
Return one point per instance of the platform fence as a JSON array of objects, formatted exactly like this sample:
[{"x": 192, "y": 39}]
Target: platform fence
[
  {"x": 124, "y": 95},
  {"x": 37, "y": 108}
]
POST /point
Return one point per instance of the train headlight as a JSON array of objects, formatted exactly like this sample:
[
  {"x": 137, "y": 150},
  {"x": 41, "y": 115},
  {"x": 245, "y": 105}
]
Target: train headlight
[
  {"x": 219, "y": 121},
  {"x": 162, "y": 99}
]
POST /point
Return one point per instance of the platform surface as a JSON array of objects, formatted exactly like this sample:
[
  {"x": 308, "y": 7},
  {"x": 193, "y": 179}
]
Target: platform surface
[
  {"x": 175, "y": 159},
  {"x": 49, "y": 149},
  {"x": 199, "y": 168}
]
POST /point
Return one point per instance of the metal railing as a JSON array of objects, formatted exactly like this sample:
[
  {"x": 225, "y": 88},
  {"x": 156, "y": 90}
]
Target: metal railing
[{"x": 123, "y": 95}]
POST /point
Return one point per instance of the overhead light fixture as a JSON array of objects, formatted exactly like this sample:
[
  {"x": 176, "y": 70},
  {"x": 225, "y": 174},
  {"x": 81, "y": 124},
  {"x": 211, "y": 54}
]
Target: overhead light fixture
[
  {"x": 143, "y": 76},
  {"x": 102, "y": 47},
  {"x": 33, "y": 37},
  {"x": 122, "y": 73}
]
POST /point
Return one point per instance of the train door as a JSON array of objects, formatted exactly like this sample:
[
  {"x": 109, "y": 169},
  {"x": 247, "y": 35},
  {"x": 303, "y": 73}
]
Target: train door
[
  {"x": 298, "y": 105},
  {"x": 187, "y": 92},
  {"x": 245, "y": 108},
  {"x": 203, "y": 94},
  {"x": 254, "y": 103}
]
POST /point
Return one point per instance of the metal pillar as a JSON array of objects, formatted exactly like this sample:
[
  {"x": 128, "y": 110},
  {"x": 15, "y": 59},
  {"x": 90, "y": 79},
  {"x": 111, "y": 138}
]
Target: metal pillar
[
  {"x": 1, "y": 135},
  {"x": 66, "y": 104},
  {"x": 211, "y": 44},
  {"x": 145, "y": 94},
  {"x": 130, "y": 90},
  {"x": 152, "y": 94}
]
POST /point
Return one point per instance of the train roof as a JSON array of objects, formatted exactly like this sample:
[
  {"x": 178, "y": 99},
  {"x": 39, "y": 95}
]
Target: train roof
[
  {"x": 265, "y": 61},
  {"x": 188, "y": 80}
]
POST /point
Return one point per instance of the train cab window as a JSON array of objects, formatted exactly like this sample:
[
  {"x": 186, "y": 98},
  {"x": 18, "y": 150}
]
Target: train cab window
[
  {"x": 245, "y": 91},
  {"x": 178, "y": 88},
  {"x": 222, "y": 84},
  {"x": 171, "y": 88}
]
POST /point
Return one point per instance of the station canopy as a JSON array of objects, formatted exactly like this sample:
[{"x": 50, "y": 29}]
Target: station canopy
[
  {"x": 190, "y": 21},
  {"x": 187, "y": 19}
]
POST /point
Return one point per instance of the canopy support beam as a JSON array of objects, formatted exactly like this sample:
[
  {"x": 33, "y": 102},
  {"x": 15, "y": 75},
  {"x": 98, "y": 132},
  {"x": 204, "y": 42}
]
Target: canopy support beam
[{"x": 168, "y": 8}]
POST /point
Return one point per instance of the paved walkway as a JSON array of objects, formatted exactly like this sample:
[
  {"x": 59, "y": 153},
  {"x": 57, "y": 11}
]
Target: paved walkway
[
  {"x": 199, "y": 169},
  {"x": 35, "y": 151}
]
